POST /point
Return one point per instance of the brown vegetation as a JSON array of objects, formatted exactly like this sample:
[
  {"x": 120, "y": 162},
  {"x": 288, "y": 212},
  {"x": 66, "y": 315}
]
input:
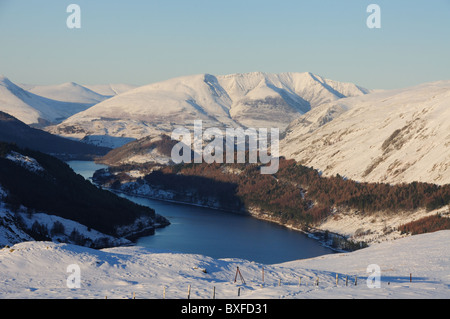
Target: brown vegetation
[
  {"x": 426, "y": 225},
  {"x": 296, "y": 194}
]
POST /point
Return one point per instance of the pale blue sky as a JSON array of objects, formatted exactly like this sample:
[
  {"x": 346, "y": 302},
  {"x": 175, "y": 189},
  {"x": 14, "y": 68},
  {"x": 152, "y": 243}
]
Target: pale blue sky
[{"x": 145, "y": 41}]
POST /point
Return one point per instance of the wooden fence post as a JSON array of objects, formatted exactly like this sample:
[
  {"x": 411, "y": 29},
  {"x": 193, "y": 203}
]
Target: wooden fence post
[{"x": 238, "y": 272}]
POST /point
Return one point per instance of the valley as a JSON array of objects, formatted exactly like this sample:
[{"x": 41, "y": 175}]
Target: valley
[
  {"x": 358, "y": 167},
  {"x": 346, "y": 133},
  {"x": 343, "y": 214},
  {"x": 200, "y": 151}
]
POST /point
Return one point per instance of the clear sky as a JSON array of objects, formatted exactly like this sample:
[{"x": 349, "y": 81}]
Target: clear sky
[{"x": 145, "y": 41}]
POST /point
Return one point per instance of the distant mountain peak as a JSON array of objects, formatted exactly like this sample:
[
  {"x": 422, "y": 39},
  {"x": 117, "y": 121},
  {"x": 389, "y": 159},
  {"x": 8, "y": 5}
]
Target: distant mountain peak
[{"x": 4, "y": 81}]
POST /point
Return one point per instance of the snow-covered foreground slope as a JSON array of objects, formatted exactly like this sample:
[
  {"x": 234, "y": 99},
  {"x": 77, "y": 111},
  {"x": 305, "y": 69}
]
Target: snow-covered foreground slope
[
  {"x": 40, "y": 270},
  {"x": 249, "y": 100},
  {"x": 390, "y": 136}
]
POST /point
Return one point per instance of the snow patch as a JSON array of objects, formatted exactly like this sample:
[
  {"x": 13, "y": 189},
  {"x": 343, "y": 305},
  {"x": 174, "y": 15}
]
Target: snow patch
[
  {"x": 25, "y": 161},
  {"x": 91, "y": 235},
  {"x": 3, "y": 193}
]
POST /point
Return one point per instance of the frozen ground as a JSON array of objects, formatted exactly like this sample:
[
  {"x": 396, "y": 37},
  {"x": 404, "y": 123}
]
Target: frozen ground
[{"x": 40, "y": 270}]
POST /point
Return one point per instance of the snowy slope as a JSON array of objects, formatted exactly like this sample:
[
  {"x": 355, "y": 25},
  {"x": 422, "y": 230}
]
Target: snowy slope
[
  {"x": 249, "y": 100},
  {"x": 15, "y": 228},
  {"x": 40, "y": 270},
  {"x": 388, "y": 136},
  {"x": 68, "y": 92},
  {"x": 74, "y": 92},
  {"x": 110, "y": 89},
  {"x": 10, "y": 233},
  {"x": 148, "y": 149},
  {"x": 33, "y": 109}
]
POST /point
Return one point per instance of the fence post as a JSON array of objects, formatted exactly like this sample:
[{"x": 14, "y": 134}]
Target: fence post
[
  {"x": 238, "y": 272},
  {"x": 189, "y": 292},
  {"x": 214, "y": 292},
  {"x": 337, "y": 279}
]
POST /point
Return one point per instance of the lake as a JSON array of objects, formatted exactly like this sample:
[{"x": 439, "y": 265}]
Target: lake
[{"x": 218, "y": 234}]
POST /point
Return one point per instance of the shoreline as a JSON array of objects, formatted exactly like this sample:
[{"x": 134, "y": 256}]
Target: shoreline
[{"x": 311, "y": 234}]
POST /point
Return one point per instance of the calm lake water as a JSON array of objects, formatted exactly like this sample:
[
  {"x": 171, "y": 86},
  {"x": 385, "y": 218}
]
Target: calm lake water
[{"x": 219, "y": 234}]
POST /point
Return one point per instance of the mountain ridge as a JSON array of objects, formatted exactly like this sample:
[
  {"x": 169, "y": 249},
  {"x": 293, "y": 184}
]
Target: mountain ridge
[
  {"x": 255, "y": 99},
  {"x": 42, "y": 105},
  {"x": 389, "y": 136},
  {"x": 32, "y": 108}
]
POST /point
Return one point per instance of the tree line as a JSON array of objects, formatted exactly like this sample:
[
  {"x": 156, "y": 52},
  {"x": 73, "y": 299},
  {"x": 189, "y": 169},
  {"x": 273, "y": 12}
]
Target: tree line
[{"x": 298, "y": 193}]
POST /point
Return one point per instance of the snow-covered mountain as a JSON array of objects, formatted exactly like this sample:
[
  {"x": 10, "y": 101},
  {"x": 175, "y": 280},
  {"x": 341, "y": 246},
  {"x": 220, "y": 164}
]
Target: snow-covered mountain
[
  {"x": 68, "y": 92},
  {"x": 388, "y": 136},
  {"x": 77, "y": 93},
  {"x": 31, "y": 108},
  {"x": 237, "y": 100},
  {"x": 51, "y": 104}
]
